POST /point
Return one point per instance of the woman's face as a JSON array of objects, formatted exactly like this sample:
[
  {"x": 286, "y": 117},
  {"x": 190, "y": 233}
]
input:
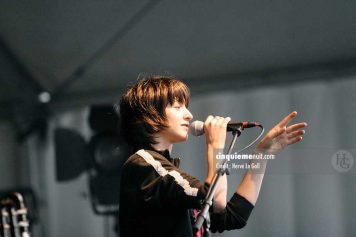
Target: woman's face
[{"x": 178, "y": 117}]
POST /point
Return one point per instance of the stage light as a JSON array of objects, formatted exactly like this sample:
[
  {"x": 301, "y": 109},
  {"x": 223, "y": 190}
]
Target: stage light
[{"x": 102, "y": 158}]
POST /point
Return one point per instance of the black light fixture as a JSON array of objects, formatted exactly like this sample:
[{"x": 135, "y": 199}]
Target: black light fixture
[
  {"x": 102, "y": 158},
  {"x": 108, "y": 153}
]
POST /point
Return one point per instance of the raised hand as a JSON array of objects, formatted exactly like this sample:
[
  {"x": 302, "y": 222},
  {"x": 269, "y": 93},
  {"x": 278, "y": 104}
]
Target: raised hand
[{"x": 282, "y": 135}]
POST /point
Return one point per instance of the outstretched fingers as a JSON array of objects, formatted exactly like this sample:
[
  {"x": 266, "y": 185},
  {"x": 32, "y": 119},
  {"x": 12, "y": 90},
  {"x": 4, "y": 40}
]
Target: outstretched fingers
[
  {"x": 295, "y": 127},
  {"x": 294, "y": 140},
  {"x": 287, "y": 119},
  {"x": 275, "y": 132},
  {"x": 295, "y": 134},
  {"x": 281, "y": 136}
]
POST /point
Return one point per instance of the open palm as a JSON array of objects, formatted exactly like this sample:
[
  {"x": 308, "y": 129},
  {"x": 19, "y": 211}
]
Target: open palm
[{"x": 282, "y": 135}]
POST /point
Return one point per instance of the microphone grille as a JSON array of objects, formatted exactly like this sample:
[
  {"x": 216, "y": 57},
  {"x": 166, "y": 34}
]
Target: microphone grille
[{"x": 196, "y": 128}]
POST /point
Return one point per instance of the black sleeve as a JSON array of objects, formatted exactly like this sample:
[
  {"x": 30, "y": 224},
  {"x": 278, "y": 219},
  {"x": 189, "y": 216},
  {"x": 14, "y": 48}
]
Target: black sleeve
[
  {"x": 235, "y": 215},
  {"x": 165, "y": 185}
]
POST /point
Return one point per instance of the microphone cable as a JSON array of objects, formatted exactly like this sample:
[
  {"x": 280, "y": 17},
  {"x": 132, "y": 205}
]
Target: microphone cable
[{"x": 254, "y": 141}]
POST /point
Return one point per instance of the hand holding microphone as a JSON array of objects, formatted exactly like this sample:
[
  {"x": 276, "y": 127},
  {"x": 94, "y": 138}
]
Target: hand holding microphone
[
  {"x": 196, "y": 128},
  {"x": 215, "y": 131}
]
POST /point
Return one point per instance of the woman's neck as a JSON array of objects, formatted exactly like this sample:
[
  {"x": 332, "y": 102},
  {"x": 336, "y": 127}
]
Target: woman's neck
[{"x": 162, "y": 145}]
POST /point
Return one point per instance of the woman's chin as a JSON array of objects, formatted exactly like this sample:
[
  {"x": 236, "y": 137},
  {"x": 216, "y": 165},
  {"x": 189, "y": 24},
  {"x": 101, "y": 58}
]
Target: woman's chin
[{"x": 182, "y": 138}]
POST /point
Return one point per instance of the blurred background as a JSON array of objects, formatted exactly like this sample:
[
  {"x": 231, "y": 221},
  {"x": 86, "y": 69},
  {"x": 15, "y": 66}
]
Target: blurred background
[{"x": 64, "y": 64}]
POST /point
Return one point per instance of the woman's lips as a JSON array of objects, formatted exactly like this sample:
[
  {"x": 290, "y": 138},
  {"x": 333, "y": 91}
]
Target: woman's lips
[{"x": 185, "y": 125}]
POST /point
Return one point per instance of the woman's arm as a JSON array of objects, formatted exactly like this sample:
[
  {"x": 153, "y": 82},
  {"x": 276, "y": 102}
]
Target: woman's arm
[
  {"x": 219, "y": 200},
  {"x": 275, "y": 140},
  {"x": 215, "y": 132}
]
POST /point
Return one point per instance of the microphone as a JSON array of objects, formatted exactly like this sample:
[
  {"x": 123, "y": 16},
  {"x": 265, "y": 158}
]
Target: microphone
[{"x": 196, "y": 128}]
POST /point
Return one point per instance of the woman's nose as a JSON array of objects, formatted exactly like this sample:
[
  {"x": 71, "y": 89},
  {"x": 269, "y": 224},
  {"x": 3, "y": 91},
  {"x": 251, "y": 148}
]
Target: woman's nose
[{"x": 188, "y": 115}]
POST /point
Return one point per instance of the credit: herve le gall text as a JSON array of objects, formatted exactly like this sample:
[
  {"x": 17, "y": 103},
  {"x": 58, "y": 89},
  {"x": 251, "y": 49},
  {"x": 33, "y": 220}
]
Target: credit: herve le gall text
[{"x": 246, "y": 165}]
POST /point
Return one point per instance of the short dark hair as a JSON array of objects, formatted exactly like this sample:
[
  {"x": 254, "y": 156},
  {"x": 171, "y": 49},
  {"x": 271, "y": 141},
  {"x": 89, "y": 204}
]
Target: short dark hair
[{"x": 142, "y": 107}]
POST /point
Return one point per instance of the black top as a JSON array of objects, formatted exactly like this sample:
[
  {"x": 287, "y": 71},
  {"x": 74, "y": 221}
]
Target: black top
[{"x": 156, "y": 199}]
